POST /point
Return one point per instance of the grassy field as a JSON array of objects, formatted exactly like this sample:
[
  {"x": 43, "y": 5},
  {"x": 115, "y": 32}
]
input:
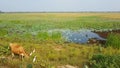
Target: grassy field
[
  {"x": 45, "y": 21},
  {"x": 30, "y": 30}
]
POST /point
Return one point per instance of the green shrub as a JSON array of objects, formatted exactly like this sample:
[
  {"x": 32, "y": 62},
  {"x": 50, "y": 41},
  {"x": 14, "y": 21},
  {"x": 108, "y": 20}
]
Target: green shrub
[
  {"x": 113, "y": 40},
  {"x": 102, "y": 61}
]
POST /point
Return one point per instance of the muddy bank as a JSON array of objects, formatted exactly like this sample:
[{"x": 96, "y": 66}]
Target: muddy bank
[{"x": 104, "y": 34}]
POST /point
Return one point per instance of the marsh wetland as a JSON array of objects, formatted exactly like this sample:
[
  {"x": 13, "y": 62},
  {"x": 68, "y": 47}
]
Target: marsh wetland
[{"x": 60, "y": 39}]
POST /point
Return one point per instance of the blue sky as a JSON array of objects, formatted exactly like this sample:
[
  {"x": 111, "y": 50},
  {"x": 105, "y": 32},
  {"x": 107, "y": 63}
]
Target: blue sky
[{"x": 59, "y": 5}]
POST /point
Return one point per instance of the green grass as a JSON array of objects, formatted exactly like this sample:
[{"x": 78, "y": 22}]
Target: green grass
[
  {"x": 103, "y": 61},
  {"x": 45, "y": 21},
  {"x": 113, "y": 40},
  {"x": 53, "y": 54},
  {"x": 31, "y": 31}
]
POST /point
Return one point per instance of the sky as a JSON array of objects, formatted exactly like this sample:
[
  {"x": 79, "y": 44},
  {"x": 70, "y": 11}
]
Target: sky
[{"x": 59, "y": 5}]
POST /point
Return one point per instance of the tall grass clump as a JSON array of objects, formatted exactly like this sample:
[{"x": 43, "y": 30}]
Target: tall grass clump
[
  {"x": 43, "y": 36},
  {"x": 56, "y": 36},
  {"x": 103, "y": 61},
  {"x": 4, "y": 50},
  {"x": 113, "y": 40}
]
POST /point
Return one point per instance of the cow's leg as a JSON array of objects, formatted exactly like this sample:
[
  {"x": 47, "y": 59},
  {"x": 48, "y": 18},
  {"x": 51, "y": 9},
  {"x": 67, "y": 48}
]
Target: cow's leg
[{"x": 22, "y": 55}]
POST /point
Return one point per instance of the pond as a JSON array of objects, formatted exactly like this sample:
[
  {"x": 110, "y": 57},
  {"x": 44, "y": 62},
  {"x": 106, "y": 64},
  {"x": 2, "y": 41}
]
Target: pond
[{"x": 81, "y": 36}]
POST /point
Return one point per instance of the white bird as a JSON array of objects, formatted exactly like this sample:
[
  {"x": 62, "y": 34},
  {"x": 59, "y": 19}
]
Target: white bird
[
  {"x": 85, "y": 66},
  {"x": 34, "y": 59},
  {"x": 32, "y": 52}
]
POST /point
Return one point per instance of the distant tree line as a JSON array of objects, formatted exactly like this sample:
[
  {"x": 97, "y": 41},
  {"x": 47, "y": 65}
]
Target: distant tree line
[
  {"x": 63, "y": 12},
  {"x": 1, "y": 11}
]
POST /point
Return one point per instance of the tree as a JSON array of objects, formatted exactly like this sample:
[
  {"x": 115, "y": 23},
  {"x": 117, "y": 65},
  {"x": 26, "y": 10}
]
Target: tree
[{"x": 0, "y": 11}]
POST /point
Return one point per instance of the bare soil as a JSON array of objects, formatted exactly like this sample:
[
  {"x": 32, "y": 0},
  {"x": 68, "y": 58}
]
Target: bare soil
[{"x": 105, "y": 34}]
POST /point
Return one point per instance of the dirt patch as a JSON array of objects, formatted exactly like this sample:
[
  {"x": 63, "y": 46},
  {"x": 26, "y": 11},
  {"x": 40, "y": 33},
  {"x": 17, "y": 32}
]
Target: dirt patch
[
  {"x": 58, "y": 48},
  {"x": 104, "y": 34},
  {"x": 67, "y": 66}
]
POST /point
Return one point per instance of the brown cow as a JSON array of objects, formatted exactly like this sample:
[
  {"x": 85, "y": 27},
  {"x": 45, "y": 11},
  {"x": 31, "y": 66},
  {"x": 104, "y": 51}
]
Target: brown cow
[{"x": 19, "y": 50}]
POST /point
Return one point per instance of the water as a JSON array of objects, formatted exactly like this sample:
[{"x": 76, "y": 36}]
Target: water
[{"x": 81, "y": 36}]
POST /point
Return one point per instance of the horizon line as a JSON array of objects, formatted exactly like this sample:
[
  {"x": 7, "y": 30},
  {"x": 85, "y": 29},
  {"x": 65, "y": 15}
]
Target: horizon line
[{"x": 57, "y": 11}]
